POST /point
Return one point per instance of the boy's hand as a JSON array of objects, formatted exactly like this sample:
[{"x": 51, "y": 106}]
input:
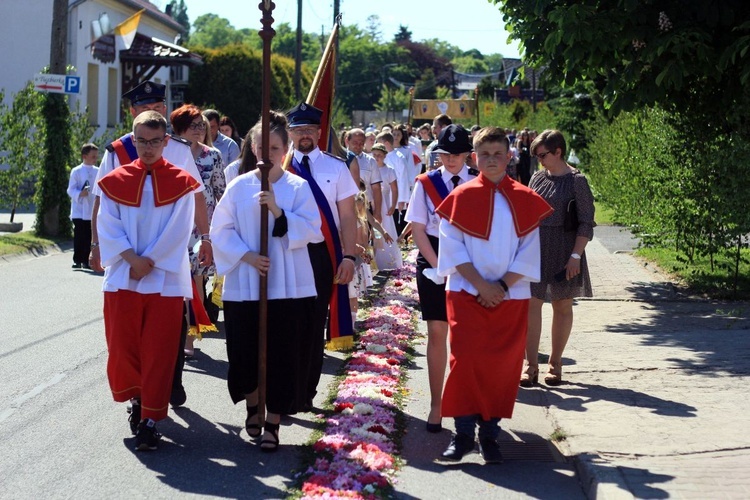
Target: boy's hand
[
  {"x": 490, "y": 294},
  {"x": 388, "y": 238},
  {"x": 205, "y": 253},
  {"x": 140, "y": 267},
  {"x": 258, "y": 261}
]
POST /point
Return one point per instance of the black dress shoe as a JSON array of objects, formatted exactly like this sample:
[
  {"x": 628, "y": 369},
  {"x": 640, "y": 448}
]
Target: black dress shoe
[
  {"x": 178, "y": 397},
  {"x": 76, "y": 266},
  {"x": 490, "y": 451},
  {"x": 461, "y": 444},
  {"x": 433, "y": 428}
]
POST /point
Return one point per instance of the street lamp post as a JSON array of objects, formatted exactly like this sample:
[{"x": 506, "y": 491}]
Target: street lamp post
[{"x": 389, "y": 101}]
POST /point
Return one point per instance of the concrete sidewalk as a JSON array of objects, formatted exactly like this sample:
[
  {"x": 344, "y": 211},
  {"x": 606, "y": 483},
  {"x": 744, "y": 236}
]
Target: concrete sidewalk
[{"x": 654, "y": 403}]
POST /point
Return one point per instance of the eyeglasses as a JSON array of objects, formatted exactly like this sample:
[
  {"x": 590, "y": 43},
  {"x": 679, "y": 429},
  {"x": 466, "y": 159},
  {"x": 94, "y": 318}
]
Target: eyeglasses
[
  {"x": 541, "y": 156},
  {"x": 153, "y": 143},
  {"x": 197, "y": 126},
  {"x": 303, "y": 131}
]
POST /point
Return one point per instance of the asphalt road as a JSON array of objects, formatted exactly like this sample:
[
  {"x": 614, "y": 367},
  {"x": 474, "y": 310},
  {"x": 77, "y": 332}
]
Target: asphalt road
[{"x": 62, "y": 436}]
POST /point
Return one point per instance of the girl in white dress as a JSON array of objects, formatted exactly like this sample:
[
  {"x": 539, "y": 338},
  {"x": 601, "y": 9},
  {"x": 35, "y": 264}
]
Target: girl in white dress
[{"x": 387, "y": 255}]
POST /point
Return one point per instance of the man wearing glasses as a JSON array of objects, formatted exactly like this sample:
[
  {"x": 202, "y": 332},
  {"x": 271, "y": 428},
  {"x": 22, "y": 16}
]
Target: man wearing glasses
[{"x": 334, "y": 190}]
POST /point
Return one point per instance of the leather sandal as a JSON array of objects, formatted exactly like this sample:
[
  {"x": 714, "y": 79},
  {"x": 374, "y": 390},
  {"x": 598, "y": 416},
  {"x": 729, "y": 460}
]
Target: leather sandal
[
  {"x": 530, "y": 375},
  {"x": 553, "y": 376},
  {"x": 270, "y": 445},
  {"x": 252, "y": 429}
]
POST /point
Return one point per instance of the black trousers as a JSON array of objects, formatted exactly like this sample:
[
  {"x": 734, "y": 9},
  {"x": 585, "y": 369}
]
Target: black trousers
[
  {"x": 314, "y": 343},
  {"x": 81, "y": 241},
  {"x": 399, "y": 218}
]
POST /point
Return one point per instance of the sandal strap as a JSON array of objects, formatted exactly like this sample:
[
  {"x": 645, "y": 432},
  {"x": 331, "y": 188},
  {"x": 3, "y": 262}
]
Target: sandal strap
[{"x": 274, "y": 430}]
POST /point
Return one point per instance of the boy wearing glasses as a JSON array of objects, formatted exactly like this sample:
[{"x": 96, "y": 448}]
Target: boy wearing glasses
[{"x": 144, "y": 223}]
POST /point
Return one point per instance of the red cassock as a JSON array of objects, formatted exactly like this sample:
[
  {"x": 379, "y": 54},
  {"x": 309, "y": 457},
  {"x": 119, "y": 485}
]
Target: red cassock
[{"x": 487, "y": 345}]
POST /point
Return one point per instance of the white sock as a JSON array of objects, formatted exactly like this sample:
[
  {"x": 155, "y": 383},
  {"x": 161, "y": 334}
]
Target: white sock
[{"x": 354, "y": 318}]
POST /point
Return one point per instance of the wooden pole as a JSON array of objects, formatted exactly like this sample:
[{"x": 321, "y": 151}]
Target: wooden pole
[
  {"x": 264, "y": 164},
  {"x": 411, "y": 104},
  {"x": 476, "y": 102}
]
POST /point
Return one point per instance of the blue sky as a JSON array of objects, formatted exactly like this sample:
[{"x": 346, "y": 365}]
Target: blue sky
[{"x": 478, "y": 26}]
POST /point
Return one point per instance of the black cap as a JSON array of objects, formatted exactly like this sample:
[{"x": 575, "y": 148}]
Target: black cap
[
  {"x": 304, "y": 114},
  {"x": 453, "y": 140},
  {"x": 146, "y": 93}
]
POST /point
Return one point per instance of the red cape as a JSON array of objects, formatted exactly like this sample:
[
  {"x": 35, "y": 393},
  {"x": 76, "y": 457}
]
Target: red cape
[
  {"x": 470, "y": 206},
  {"x": 125, "y": 183}
]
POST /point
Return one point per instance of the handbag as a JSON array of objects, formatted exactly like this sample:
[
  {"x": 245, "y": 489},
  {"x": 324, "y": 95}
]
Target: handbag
[{"x": 571, "y": 217}]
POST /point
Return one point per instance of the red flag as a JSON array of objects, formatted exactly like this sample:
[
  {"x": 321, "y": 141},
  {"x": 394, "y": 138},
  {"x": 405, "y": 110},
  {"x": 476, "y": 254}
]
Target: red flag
[{"x": 323, "y": 87}]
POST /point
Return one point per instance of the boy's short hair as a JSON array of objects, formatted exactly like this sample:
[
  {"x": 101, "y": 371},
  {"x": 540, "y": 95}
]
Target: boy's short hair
[
  {"x": 385, "y": 136},
  {"x": 150, "y": 119},
  {"x": 88, "y": 147},
  {"x": 491, "y": 134},
  {"x": 552, "y": 140}
]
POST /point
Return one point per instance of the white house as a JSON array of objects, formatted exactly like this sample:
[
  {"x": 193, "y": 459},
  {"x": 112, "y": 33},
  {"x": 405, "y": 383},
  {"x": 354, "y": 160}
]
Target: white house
[{"x": 25, "y": 36}]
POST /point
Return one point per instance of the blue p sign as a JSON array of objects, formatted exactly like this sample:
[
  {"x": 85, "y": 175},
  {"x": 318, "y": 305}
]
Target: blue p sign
[{"x": 72, "y": 84}]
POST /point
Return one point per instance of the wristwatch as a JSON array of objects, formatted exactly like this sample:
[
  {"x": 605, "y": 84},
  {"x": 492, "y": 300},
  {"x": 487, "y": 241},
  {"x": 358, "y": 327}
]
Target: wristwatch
[
  {"x": 575, "y": 256},
  {"x": 94, "y": 244}
]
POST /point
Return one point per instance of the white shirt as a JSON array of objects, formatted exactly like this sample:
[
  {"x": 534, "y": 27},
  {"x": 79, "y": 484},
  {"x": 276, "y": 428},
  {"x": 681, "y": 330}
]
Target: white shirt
[
  {"x": 503, "y": 252},
  {"x": 81, "y": 206},
  {"x": 369, "y": 173},
  {"x": 175, "y": 152},
  {"x": 398, "y": 162},
  {"x": 333, "y": 178},
  {"x": 422, "y": 210},
  {"x": 161, "y": 233},
  {"x": 231, "y": 171},
  {"x": 235, "y": 230}
]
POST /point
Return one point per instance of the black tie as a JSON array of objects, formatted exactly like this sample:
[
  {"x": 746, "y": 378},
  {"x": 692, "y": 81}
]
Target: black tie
[
  {"x": 306, "y": 164},
  {"x": 455, "y": 180}
]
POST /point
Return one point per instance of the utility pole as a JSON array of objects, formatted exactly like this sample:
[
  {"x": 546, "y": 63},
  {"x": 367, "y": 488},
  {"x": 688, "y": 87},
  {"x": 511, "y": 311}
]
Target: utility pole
[
  {"x": 336, "y": 10},
  {"x": 298, "y": 55}
]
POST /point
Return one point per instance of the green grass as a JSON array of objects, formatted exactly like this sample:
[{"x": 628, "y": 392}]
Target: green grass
[
  {"x": 699, "y": 278},
  {"x": 604, "y": 216},
  {"x": 559, "y": 435},
  {"x": 17, "y": 243}
]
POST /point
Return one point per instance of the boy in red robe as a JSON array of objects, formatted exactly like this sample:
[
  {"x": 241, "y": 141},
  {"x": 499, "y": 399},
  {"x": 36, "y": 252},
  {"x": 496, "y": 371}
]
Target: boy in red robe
[
  {"x": 489, "y": 251},
  {"x": 144, "y": 223}
]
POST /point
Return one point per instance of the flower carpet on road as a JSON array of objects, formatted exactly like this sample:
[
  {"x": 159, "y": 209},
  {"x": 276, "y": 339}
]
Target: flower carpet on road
[{"x": 356, "y": 456}]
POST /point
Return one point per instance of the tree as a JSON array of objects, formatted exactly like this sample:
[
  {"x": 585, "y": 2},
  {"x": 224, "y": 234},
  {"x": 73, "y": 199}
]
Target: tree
[
  {"x": 374, "y": 29},
  {"x": 426, "y": 86},
  {"x": 403, "y": 34},
  {"x": 640, "y": 53},
  {"x": 469, "y": 64},
  {"x": 230, "y": 80},
  {"x": 21, "y": 133},
  {"x": 212, "y": 31},
  {"x": 178, "y": 12}
]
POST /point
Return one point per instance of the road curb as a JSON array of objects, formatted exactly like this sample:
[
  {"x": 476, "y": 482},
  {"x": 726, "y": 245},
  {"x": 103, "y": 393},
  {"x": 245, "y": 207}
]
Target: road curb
[
  {"x": 600, "y": 479},
  {"x": 41, "y": 251}
]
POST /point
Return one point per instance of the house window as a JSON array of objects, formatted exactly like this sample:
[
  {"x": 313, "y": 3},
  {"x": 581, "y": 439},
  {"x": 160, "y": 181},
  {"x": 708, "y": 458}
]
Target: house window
[
  {"x": 92, "y": 94},
  {"x": 113, "y": 98}
]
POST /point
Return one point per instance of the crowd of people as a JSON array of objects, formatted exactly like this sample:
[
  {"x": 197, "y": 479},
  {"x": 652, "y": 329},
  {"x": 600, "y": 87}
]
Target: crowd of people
[{"x": 496, "y": 238}]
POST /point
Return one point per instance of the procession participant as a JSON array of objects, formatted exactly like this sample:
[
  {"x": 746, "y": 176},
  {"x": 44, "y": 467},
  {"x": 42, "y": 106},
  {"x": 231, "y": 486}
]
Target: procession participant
[
  {"x": 431, "y": 188},
  {"x": 230, "y": 151},
  {"x": 489, "y": 250},
  {"x": 80, "y": 183},
  {"x": 438, "y": 124},
  {"x": 387, "y": 253},
  {"x": 294, "y": 221},
  {"x": 368, "y": 171},
  {"x": 333, "y": 253},
  {"x": 144, "y": 225},
  {"x": 150, "y": 96},
  {"x": 402, "y": 166}
]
